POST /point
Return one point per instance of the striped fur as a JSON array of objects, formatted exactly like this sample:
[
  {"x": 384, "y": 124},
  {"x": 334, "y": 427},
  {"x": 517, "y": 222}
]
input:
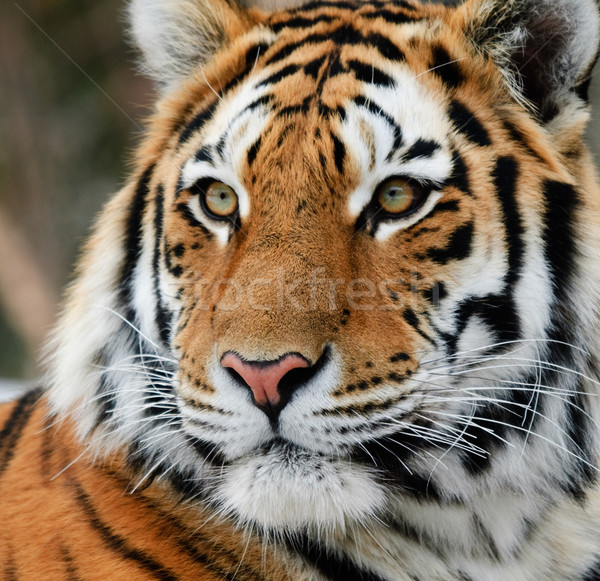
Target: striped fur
[{"x": 446, "y": 425}]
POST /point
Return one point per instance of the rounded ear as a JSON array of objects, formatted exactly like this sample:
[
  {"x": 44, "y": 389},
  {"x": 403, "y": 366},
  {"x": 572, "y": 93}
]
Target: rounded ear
[
  {"x": 177, "y": 36},
  {"x": 546, "y": 49}
]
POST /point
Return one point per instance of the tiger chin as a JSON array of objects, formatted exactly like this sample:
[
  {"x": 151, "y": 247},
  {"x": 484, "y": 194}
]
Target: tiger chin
[{"x": 342, "y": 321}]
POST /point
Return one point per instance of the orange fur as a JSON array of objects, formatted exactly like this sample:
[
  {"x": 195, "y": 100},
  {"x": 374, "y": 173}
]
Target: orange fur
[
  {"x": 65, "y": 516},
  {"x": 312, "y": 278}
]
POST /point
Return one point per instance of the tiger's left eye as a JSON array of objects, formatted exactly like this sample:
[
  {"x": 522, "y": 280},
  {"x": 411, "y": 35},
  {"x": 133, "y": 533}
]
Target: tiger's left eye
[
  {"x": 220, "y": 200},
  {"x": 398, "y": 196}
]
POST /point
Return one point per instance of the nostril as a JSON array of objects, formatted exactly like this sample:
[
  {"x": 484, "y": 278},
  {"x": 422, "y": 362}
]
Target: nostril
[{"x": 264, "y": 377}]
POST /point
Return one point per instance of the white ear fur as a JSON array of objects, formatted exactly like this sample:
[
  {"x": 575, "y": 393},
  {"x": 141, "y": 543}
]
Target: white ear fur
[
  {"x": 176, "y": 36},
  {"x": 546, "y": 48}
]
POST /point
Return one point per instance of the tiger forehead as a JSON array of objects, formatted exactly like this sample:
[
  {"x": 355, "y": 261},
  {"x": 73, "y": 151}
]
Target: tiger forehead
[
  {"x": 323, "y": 55},
  {"x": 311, "y": 15}
]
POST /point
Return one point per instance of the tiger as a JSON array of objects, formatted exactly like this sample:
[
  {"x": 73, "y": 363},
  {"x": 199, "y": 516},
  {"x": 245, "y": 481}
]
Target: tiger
[{"x": 342, "y": 321}]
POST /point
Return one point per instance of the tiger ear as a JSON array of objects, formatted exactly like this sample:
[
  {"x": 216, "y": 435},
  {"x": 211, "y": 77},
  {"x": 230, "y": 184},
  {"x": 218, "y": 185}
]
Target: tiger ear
[
  {"x": 177, "y": 36},
  {"x": 546, "y": 49}
]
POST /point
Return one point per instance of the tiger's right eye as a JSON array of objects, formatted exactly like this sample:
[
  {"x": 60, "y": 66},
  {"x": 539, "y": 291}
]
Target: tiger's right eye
[
  {"x": 400, "y": 196},
  {"x": 219, "y": 201}
]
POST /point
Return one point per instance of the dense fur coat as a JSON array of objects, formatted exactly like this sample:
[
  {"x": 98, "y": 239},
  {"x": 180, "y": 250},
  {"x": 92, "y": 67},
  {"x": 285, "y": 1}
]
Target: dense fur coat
[{"x": 342, "y": 322}]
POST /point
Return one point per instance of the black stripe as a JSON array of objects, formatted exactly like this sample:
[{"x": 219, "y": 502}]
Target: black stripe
[
  {"x": 346, "y": 35},
  {"x": 368, "y": 73},
  {"x": 134, "y": 233},
  {"x": 253, "y": 151},
  {"x": 313, "y": 67},
  {"x": 421, "y": 148},
  {"x": 264, "y": 100},
  {"x": 70, "y": 569},
  {"x": 220, "y": 145},
  {"x": 494, "y": 310},
  {"x": 208, "y": 451},
  {"x": 328, "y": 4},
  {"x": 466, "y": 122},
  {"x": 333, "y": 567},
  {"x": 449, "y": 206},
  {"x": 411, "y": 318},
  {"x": 193, "y": 542},
  {"x": 15, "y": 425},
  {"x": 198, "y": 122},
  {"x": 203, "y": 154},
  {"x": 186, "y": 483},
  {"x": 458, "y": 247},
  {"x": 325, "y": 111},
  {"x": 460, "y": 174},
  {"x": 339, "y": 152},
  {"x": 252, "y": 55},
  {"x": 285, "y": 51},
  {"x": 188, "y": 215},
  {"x": 162, "y": 314},
  {"x": 516, "y": 135},
  {"x": 300, "y": 22},
  {"x": 435, "y": 294},
  {"x": 391, "y": 17},
  {"x": 499, "y": 313},
  {"x": 117, "y": 543},
  {"x": 280, "y": 75},
  {"x": 509, "y": 416},
  {"x": 419, "y": 537},
  {"x": 488, "y": 417},
  {"x": 293, "y": 109},
  {"x": 375, "y": 110},
  {"x": 446, "y": 68},
  {"x": 579, "y": 429},
  {"x": 561, "y": 201},
  {"x": 559, "y": 236},
  {"x": 389, "y": 454},
  {"x": 385, "y": 46},
  {"x": 505, "y": 176}
]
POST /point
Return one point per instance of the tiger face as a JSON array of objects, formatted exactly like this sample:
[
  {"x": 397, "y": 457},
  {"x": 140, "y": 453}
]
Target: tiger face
[{"x": 350, "y": 275}]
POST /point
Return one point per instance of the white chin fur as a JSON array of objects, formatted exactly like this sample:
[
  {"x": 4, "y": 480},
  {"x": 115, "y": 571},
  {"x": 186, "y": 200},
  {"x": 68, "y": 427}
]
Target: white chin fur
[{"x": 289, "y": 489}]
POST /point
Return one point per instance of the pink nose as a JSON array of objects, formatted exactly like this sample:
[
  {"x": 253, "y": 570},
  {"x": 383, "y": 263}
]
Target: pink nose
[{"x": 263, "y": 377}]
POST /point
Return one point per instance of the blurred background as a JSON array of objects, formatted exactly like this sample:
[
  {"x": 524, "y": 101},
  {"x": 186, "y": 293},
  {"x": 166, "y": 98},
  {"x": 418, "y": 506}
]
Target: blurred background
[{"x": 71, "y": 105}]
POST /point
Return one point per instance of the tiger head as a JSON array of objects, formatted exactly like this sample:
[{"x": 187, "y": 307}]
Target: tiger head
[{"x": 355, "y": 269}]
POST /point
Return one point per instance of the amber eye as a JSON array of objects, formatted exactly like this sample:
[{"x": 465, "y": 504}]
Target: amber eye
[
  {"x": 220, "y": 201},
  {"x": 399, "y": 196}
]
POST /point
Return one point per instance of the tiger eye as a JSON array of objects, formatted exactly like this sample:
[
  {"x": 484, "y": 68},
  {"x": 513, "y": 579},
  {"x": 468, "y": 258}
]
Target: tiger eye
[
  {"x": 220, "y": 200},
  {"x": 397, "y": 196}
]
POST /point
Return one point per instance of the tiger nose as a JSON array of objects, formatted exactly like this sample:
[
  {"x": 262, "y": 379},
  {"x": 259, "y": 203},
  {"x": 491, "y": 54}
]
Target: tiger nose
[{"x": 264, "y": 378}]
